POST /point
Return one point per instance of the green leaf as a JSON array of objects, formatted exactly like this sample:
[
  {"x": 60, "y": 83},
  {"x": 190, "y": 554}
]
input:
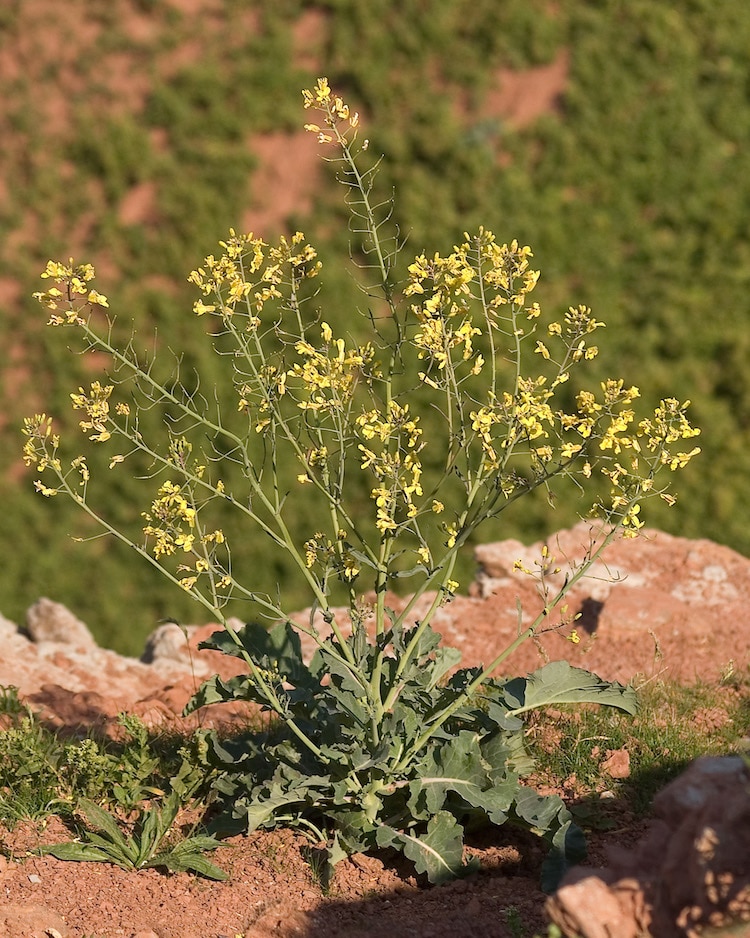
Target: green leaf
[
  {"x": 203, "y": 866},
  {"x": 505, "y": 752},
  {"x": 263, "y": 807},
  {"x": 548, "y": 816},
  {"x": 429, "y": 641},
  {"x": 183, "y": 860},
  {"x": 333, "y": 853},
  {"x": 76, "y": 852},
  {"x": 438, "y": 853},
  {"x": 567, "y": 846},
  {"x": 102, "y": 820},
  {"x": 108, "y": 836},
  {"x": 198, "y": 842},
  {"x": 444, "y": 660},
  {"x": 279, "y": 647},
  {"x": 495, "y": 801},
  {"x": 560, "y": 683},
  {"x": 456, "y": 766},
  {"x": 152, "y": 830},
  {"x": 328, "y": 661},
  {"x": 126, "y": 852},
  {"x": 215, "y": 690}
]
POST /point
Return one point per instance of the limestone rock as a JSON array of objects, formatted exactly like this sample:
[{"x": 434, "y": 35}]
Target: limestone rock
[
  {"x": 7, "y": 628},
  {"x": 689, "y": 873},
  {"x": 48, "y": 621}
]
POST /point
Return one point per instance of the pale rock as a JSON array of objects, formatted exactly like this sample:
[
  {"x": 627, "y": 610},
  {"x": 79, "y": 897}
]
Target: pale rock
[
  {"x": 690, "y": 870},
  {"x": 48, "y": 621},
  {"x": 7, "y": 628},
  {"x": 167, "y": 641}
]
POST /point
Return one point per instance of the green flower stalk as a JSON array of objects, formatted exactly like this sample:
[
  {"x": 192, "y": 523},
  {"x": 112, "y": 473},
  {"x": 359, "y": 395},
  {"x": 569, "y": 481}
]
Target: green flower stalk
[{"x": 379, "y": 744}]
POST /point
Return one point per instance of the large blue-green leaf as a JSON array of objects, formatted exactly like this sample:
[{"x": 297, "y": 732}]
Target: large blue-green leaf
[
  {"x": 438, "y": 852},
  {"x": 547, "y": 816},
  {"x": 506, "y": 753},
  {"x": 460, "y": 768},
  {"x": 456, "y": 766},
  {"x": 327, "y": 660},
  {"x": 263, "y": 807},
  {"x": 560, "y": 683},
  {"x": 278, "y": 647},
  {"x": 444, "y": 660},
  {"x": 215, "y": 690}
]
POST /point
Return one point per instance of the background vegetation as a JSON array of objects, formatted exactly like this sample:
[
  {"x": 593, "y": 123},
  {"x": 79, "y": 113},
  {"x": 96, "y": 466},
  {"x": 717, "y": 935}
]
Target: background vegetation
[{"x": 133, "y": 135}]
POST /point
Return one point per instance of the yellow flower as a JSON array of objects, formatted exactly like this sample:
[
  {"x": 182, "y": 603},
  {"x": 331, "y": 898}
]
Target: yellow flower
[
  {"x": 98, "y": 299},
  {"x": 351, "y": 567},
  {"x": 568, "y": 450},
  {"x": 45, "y": 490}
]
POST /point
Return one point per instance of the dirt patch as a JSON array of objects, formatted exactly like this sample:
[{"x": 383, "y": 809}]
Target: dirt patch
[
  {"x": 272, "y": 891},
  {"x": 521, "y": 97},
  {"x": 288, "y": 174}
]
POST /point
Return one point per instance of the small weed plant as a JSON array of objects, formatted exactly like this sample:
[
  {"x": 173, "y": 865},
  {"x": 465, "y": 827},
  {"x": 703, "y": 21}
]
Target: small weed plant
[
  {"x": 102, "y": 841},
  {"x": 105, "y": 783},
  {"x": 381, "y": 742}
]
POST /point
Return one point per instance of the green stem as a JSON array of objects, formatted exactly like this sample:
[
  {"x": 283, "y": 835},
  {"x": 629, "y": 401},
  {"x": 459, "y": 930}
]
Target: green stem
[
  {"x": 267, "y": 691},
  {"x": 471, "y": 688},
  {"x": 286, "y": 540}
]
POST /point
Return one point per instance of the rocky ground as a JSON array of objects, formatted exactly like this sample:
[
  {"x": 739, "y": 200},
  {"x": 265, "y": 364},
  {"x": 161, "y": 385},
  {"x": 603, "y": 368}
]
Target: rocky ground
[{"x": 657, "y": 606}]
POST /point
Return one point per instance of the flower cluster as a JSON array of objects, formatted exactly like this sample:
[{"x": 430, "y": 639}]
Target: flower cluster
[
  {"x": 171, "y": 520},
  {"x": 327, "y": 376},
  {"x": 248, "y": 274},
  {"x": 669, "y": 425},
  {"x": 41, "y": 451},
  {"x": 459, "y": 298},
  {"x": 396, "y": 464},
  {"x": 41, "y": 446},
  {"x": 96, "y": 406},
  {"x": 578, "y": 323},
  {"x": 334, "y": 110},
  {"x": 332, "y": 555},
  {"x": 174, "y": 523},
  {"x": 75, "y": 295},
  {"x": 444, "y": 315}
]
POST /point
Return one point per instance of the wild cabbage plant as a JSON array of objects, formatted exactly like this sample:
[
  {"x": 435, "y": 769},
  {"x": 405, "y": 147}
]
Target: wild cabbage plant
[{"x": 379, "y": 740}]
